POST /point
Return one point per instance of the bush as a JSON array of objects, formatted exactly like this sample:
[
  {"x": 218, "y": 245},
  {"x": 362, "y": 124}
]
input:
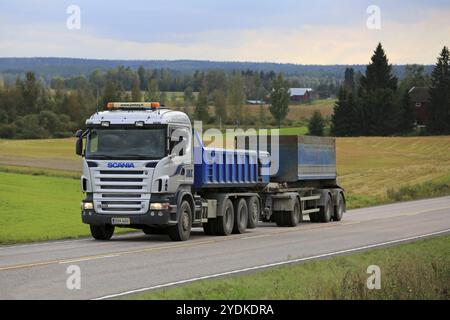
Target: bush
[
  {"x": 316, "y": 124},
  {"x": 8, "y": 131}
]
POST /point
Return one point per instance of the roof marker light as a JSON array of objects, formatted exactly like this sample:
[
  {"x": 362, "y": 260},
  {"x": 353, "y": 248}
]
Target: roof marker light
[{"x": 133, "y": 105}]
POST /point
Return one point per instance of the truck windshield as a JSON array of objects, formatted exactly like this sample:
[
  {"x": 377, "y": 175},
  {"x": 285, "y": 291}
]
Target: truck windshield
[{"x": 139, "y": 144}]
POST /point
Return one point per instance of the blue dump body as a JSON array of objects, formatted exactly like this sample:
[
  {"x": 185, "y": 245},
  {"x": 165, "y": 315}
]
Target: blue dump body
[
  {"x": 221, "y": 168},
  {"x": 301, "y": 158}
]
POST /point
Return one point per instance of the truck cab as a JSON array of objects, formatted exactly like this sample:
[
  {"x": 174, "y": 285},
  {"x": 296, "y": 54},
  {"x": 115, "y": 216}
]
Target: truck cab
[{"x": 137, "y": 162}]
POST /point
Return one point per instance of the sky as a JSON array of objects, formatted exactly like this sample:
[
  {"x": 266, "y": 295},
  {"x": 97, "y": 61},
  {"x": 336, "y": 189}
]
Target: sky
[{"x": 284, "y": 31}]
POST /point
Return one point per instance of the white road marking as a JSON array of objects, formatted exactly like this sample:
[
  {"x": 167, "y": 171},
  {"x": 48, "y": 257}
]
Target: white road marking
[{"x": 276, "y": 264}]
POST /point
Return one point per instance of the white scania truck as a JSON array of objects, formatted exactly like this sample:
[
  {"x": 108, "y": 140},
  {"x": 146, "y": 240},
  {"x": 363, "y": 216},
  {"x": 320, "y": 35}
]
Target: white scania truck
[{"x": 145, "y": 168}]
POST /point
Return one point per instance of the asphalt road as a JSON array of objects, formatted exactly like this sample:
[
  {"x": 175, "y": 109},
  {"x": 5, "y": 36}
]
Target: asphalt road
[{"x": 134, "y": 262}]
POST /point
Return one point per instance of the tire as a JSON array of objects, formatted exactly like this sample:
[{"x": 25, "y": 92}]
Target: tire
[
  {"x": 182, "y": 230},
  {"x": 326, "y": 211},
  {"x": 292, "y": 218},
  {"x": 224, "y": 224},
  {"x": 240, "y": 216},
  {"x": 210, "y": 227},
  {"x": 339, "y": 210},
  {"x": 254, "y": 212},
  {"x": 104, "y": 232}
]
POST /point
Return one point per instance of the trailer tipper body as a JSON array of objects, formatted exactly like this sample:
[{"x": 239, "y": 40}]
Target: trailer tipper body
[{"x": 145, "y": 168}]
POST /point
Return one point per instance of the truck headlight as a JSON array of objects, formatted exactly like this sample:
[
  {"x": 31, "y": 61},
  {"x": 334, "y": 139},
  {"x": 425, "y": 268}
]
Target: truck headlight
[
  {"x": 87, "y": 205},
  {"x": 160, "y": 206}
]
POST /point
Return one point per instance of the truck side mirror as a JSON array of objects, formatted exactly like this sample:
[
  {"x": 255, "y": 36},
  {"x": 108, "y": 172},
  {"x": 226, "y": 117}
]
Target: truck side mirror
[
  {"x": 79, "y": 146},
  {"x": 79, "y": 133}
]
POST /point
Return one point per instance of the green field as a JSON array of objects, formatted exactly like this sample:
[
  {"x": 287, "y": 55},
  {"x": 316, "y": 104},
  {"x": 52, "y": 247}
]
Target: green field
[
  {"x": 372, "y": 171},
  {"x": 35, "y": 208},
  {"x": 419, "y": 270}
]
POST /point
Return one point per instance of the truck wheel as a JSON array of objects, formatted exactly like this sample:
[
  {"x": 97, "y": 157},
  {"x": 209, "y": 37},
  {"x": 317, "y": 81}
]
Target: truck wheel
[
  {"x": 339, "y": 209},
  {"x": 102, "y": 232},
  {"x": 293, "y": 218},
  {"x": 224, "y": 224},
  {"x": 210, "y": 227},
  {"x": 182, "y": 230},
  {"x": 240, "y": 216},
  {"x": 254, "y": 212},
  {"x": 326, "y": 211}
]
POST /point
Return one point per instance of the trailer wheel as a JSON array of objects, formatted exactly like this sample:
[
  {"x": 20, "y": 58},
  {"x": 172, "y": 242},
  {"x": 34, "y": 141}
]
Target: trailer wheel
[
  {"x": 254, "y": 212},
  {"x": 182, "y": 230},
  {"x": 225, "y": 223},
  {"x": 293, "y": 218},
  {"x": 326, "y": 211},
  {"x": 104, "y": 232},
  {"x": 240, "y": 216},
  {"x": 339, "y": 209}
]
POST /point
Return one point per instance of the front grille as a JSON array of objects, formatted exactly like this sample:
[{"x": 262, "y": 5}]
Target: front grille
[{"x": 121, "y": 191}]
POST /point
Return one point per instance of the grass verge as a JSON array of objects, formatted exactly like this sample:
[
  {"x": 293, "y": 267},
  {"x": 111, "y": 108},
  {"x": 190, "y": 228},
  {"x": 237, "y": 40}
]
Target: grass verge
[
  {"x": 36, "y": 208},
  {"x": 419, "y": 270}
]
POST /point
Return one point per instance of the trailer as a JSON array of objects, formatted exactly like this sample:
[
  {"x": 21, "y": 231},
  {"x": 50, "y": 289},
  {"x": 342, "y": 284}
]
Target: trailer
[{"x": 144, "y": 167}]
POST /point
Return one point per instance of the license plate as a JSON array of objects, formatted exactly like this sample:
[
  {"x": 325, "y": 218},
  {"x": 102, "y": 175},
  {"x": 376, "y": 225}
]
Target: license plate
[{"x": 120, "y": 221}]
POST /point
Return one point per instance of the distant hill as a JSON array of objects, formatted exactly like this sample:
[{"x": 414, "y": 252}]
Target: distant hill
[{"x": 68, "y": 67}]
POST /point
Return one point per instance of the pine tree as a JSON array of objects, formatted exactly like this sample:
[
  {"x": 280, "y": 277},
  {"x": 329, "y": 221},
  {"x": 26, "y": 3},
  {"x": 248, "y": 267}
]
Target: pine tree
[
  {"x": 316, "y": 124},
  {"x": 340, "y": 122},
  {"x": 349, "y": 81},
  {"x": 438, "y": 113},
  {"x": 280, "y": 98},
  {"x": 379, "y": 72},
  {"x": 377, "y": 96}
]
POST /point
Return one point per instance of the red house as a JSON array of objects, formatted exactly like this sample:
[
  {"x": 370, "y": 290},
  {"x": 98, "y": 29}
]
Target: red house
[
  {"x": 300, "y": 95},
  {"x": 420, "y": 97}
]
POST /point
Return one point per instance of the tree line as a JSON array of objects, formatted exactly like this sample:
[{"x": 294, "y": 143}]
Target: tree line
[{"x": 378, "y": 104}]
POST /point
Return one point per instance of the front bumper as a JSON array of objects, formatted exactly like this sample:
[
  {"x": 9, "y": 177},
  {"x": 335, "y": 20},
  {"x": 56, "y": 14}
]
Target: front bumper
[{"x": 151, "y": 218}]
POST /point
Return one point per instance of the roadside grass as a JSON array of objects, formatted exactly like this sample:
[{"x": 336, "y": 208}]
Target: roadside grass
[
  {"x": 418, "y": 270},
  {"x": 40, "y": 207},
  {"x": 35, "y": 208}
]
